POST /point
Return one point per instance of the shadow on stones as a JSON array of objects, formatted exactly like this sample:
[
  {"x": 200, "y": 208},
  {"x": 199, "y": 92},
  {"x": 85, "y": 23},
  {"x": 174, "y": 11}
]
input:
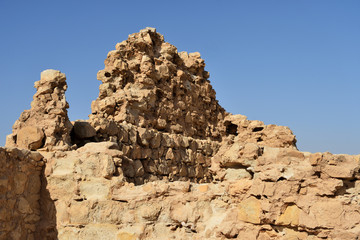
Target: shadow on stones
[{"x": 46, "y": 228}]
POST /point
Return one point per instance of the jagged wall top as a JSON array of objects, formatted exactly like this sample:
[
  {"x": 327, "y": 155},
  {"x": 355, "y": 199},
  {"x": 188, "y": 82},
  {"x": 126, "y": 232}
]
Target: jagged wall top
[
  {"x": 46, "y": 124},
  {"x": 148, "y": 83}
]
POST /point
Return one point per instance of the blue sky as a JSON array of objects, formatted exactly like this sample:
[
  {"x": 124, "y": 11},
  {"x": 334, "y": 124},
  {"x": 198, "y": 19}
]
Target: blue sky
[{"x": 292, "y": 63}]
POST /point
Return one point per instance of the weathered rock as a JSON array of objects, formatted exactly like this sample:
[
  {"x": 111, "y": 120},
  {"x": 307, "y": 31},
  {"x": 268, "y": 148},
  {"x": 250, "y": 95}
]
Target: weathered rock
[
  {"x": 46, "y": 124},
  {"x": 30, "y": 137},
  {"x": 20, "y": 185},
  {"x": 160, "y": 159},
  {"x": 250, "y": 210},
  {"x": 155, "y": 86}
]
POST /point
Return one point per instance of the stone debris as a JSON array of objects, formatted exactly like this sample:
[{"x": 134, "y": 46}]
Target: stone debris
[{"x": 159, "y": 158}]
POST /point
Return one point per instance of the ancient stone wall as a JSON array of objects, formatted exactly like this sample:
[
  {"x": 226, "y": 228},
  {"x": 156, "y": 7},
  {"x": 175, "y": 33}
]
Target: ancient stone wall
[
  {"x": 160, "y": 159},
  {"x": 289, "y": 195},
  {"x": 147, "y": 83},
  {"x": 150, "y": 155},
  {"x": 20, "y": 184},
  {"x": 46, "y": 124}
]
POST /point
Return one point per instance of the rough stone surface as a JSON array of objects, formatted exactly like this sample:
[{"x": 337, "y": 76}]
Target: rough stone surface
[
  {"x": 160, "y": 159},
  {"x": 20, "y": 183},
  {"x": 46, "y": 124},
  {"x": 148, "y": 83}
]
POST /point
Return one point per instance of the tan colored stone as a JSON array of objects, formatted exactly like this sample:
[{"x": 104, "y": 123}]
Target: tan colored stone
[
  {"x": 249, "y": 210},
  {"x": 240, "y": 187},
  {"x": 290, "y": 216},
  {"x": 338, "y": 171},
  {"x": 186, "y": 169},
  {"x": 95, "y": 189},
  {"x": 30, "y": 138},
  {"x": 126, "y": 236},
  {"x": 203, "y": 188},
  {"x": 46, "y": 124}
]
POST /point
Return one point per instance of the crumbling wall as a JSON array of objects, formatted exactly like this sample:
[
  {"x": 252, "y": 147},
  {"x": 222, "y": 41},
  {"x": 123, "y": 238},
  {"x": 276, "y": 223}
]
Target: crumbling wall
[
  {"x": 160, "y": 159},
  {"x": 20, "y": 184},
  {"x": 147, "y": 83},
  {"x": 46, "y": 124},
  {"x": 290, "y": 195}
]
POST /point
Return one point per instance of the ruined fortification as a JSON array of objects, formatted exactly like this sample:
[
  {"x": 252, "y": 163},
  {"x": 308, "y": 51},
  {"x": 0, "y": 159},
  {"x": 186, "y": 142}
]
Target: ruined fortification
[{"x": 159, "y": 158}]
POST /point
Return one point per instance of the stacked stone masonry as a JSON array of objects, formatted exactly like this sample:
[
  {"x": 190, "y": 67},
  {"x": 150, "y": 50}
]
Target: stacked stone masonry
[
  {"x": 147, "y": 83},
  {"x": 149, "y": 155},
  {"x": 46, "y": 124},
  {"x": 20, "y": 183},
  {"x": 159, "y": 158}
]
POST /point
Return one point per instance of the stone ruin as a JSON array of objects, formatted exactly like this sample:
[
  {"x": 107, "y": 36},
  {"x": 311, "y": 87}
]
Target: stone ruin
[
  {"x": 159, "y": 158},
  {"x": 46, "y": 124}
]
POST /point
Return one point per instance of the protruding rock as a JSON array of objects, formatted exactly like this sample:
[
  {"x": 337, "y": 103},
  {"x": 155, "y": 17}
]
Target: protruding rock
[
  {"x": 46, "y": 124},
  {"x": 30, "y": 137}
]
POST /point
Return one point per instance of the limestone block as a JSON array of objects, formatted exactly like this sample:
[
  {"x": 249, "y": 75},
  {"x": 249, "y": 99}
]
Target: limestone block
[
  {"x": 63, "y": 166},
  {"x": 236, "y": 174},
  {"x": 240, "y": 186},
  {"x": 62, "y": 187},
  {"x": 338, "y": 171},
  {"x": 290, "y": 216},
  {"x": 180, "y": 212},
  {"x": 328, "y": 213},
  {"x": 249, "y": 210},
  {"x": 98, "y": 147},
  {"x": 79, "y": 212},
  {"x": 30, "y": 138},
  {"x": 95, "y": 189},
  {"x": 107, "y": 165}
]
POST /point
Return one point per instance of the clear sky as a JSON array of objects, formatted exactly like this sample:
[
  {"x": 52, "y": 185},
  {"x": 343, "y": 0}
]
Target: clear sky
[{"x": 292, "y": 63}]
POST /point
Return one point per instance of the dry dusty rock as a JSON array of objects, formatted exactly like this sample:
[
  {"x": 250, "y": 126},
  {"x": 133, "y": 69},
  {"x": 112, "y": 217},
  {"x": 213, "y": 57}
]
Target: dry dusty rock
[
  {"x": 20, "y": 184},
  {"x": 148, "y": 83},
  {"x": 160, "y": 159},
  {"x": 46, "y": 124}
]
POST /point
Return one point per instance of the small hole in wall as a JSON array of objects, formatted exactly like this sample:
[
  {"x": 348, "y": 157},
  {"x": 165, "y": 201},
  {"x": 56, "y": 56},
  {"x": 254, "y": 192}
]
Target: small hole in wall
[
  {"x": 281, "y": 179},
  {"x": 258, "y": 129},
  {"x": 231, "y": 128},
  {"x": 107, "y": 74},
  {"x": 159, "y": 94}
]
